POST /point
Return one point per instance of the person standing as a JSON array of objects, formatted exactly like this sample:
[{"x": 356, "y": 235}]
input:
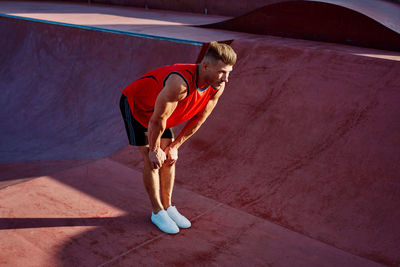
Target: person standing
[{"x": 160, "y": 100}]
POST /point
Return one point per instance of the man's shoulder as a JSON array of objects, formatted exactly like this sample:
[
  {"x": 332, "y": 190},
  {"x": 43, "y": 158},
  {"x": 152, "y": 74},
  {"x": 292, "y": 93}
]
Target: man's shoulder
[
  {"x": 184, "y": 73},
  {"x": 184, "y": 69},
  {"x": 175, "y": 67}
]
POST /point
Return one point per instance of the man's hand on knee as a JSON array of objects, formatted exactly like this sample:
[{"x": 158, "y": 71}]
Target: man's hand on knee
[
  {"x": 157, "y": 158},
  {"x": 172, "y": 155}
]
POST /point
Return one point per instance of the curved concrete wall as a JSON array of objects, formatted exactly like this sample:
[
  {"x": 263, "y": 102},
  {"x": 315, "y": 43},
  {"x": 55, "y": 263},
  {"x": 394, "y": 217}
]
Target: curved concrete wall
[
  {"x": 354, "y": 23},
  {"x": 307, "y": 138},
  {"x": 61, "y": 87}
]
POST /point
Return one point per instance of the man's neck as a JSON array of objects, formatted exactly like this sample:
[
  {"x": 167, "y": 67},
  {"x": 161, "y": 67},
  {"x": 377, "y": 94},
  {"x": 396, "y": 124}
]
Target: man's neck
[{"x": 201, "y": 83}]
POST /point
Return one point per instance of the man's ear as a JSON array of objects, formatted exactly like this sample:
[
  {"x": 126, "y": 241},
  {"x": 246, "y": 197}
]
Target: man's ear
[{"x": 205, "y": 65}]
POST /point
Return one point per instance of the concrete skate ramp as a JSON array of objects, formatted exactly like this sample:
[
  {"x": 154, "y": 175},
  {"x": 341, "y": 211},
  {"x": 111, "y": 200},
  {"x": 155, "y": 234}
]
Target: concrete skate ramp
[
  {"x": 61, "y": 86},
  {"x": 368, "y": 23},
  {"x": 308, "y": 139}
]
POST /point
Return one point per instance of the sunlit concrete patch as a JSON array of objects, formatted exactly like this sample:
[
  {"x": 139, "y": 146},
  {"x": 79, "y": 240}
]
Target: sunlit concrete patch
[
  {"x": 381, "y": 54},
  {"x": 38, "y": 216},
  {"x": 18, "y": 172},
  {"x": 94, "y": 19}
]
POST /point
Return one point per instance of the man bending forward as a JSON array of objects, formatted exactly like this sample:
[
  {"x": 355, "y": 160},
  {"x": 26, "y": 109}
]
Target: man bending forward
[{"x": 161, "y": 99}]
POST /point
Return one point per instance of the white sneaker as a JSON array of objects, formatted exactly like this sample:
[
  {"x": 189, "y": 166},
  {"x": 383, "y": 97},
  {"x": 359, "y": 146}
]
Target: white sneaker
[
  {"x": 178, "y": 218},
  {"x": 164, "y": 222}
]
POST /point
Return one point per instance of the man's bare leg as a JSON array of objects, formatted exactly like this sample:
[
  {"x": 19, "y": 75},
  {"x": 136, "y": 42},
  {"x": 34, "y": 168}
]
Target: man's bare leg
[
  {"x": 167, "y": 178},
  {"x": 151, "y": 180}
]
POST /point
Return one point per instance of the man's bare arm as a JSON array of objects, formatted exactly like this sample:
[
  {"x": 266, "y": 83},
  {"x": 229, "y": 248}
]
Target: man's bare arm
[
  {"x": 174, "y": 90},
  {"x": 194, "y": 124}
]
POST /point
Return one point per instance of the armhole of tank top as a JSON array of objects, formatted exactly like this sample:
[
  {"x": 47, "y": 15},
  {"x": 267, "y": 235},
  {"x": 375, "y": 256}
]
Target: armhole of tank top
[
  {"x": 213, "y": 94},
  {"x": 183, "y": 77},
  {"x": 149, "y": 76}
]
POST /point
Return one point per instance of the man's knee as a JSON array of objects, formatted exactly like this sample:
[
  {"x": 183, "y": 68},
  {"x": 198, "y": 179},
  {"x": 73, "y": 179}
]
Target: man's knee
[
  {"x": 165, "y": 142},
  {"x": 144, "y": 151}
]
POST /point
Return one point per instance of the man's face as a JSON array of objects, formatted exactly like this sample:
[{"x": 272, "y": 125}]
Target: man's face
[{"x": 217, "y": 73}]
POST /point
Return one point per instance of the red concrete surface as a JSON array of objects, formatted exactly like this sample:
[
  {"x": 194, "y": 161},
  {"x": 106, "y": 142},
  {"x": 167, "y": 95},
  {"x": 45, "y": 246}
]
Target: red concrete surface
[
  {"x": 97, "y": 215},
  {"x": 297, "y": 166},
  {"x": 309, "y": 139},
  {"x": 374, "y": 24}
]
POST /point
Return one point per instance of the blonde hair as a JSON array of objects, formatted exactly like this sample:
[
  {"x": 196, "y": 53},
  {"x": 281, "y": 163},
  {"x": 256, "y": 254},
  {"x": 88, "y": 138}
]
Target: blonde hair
[{"x": 219, "y": 51}]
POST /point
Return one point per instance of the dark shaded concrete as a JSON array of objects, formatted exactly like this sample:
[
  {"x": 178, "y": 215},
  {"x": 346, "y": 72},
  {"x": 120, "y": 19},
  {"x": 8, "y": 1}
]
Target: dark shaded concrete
[
  {"x": 62, "y": 85},
  {"x": 374, "y": 24}
]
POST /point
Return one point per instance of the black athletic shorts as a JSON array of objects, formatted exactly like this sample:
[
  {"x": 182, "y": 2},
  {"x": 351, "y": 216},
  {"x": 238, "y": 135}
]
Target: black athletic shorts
[{"x": 137, "y": 133}]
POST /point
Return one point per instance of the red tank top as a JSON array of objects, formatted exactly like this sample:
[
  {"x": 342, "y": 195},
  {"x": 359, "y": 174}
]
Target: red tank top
[{"x": 142, "y": 94}]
